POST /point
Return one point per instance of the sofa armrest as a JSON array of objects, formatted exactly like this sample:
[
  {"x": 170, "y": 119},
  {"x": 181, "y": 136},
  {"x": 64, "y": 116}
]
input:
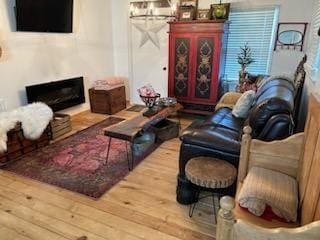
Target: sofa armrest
[
  {"x": 228, "y": 100},
  {"x": 281, "y": 155}
]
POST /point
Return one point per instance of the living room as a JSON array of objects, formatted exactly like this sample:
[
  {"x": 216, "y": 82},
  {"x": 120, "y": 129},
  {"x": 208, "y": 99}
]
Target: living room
[{"x": 99, "y": 177}]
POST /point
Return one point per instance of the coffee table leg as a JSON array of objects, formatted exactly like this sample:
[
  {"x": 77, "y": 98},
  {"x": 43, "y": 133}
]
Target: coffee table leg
[
  {"x": 128, "y": 159},
  {"x": 108, "y": 150},
  {"x": 132, "y": 155},
  {"x": 179, "y": 120}
]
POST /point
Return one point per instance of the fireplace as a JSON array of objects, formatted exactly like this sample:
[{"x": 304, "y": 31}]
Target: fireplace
[{"x": 59, "y": 94}]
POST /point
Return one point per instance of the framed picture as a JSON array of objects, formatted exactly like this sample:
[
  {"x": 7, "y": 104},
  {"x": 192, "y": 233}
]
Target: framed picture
[
  {"x": 203, "y": 14},
  {"x": 220, "y": 11},
  {"x": 187, "y": 13},
  {"x": 193, "y": 3}
]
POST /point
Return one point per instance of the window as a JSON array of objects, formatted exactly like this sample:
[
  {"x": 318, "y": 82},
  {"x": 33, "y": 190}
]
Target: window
[
  {"x": 314, "y": 47},
  {"x": 257, "y": 27}
]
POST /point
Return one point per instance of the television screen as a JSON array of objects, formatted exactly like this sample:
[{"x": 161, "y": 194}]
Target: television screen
[{"x": 44, "y": 15}]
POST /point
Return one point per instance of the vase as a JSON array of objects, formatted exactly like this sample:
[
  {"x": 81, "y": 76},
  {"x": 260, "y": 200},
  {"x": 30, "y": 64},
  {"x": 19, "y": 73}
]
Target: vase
[
  {"x": 219, "y": 12},
  {"x": 242, "y": 75}
]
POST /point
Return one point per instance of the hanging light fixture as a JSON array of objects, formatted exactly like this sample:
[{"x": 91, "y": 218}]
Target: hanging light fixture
[{"x": 150, "y": 10}]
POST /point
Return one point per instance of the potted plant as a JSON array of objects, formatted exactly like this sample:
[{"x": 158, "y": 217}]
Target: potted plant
[{"x": 244, "y": 59}]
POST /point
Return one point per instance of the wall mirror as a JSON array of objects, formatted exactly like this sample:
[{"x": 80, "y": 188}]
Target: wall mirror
[{"x": 290, "y": 36}]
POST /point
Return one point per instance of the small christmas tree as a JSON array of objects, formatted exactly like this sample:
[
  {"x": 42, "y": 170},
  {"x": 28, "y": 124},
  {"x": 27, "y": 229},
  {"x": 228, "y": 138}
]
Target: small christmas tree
[{"x": 244, "y": 59}]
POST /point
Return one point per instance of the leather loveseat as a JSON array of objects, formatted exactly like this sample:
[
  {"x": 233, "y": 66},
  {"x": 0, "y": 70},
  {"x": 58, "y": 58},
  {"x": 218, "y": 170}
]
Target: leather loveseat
[{"x": 270, "y": 117}]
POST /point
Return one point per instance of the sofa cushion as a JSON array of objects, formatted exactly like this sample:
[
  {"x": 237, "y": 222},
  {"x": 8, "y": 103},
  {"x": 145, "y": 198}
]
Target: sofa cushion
[
  {"x": 264, "y": 187},
  {"x": 276, "y": 96},
  {"x": 221, "y": 131},
  {"x": 243, "y": 105}
]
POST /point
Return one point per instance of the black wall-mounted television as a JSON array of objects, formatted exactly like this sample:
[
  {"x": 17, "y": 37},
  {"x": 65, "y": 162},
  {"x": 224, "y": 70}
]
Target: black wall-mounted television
[
  {"x": 59, "y": 94},
  {"x": 44, "y": 15}
]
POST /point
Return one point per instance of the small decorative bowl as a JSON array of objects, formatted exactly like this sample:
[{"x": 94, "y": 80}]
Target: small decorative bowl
[
  {"x": 168, "y": 101},
  {"x": 150, "y": 101}
]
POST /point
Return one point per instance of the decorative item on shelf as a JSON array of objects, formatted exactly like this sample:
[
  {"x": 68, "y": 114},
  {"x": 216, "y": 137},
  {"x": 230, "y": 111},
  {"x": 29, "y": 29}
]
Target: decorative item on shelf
[
  {"x": 244, "y": 59},
  {"x": 151, "y": 10},
  {"x": 220, "y": 11},
  {"x": 291, "y": 36},
  {"x": 187, "y": 13},
  {"x": 203, "y": 14},
  {"x": 149, "y": 96},
  {"x": 188, "y": 10}
]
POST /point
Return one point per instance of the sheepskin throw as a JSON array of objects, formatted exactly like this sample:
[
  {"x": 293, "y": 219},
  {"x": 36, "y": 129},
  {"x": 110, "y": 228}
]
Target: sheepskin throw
[{"x": 34, "y": 119}]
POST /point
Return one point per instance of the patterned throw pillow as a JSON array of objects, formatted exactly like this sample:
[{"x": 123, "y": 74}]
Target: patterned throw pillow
[{"x": 243, "y": 105}]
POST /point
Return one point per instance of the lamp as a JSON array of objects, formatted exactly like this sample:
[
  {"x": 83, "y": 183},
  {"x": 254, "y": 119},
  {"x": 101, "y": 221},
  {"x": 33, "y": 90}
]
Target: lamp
[{"x": 150, "y": 10}]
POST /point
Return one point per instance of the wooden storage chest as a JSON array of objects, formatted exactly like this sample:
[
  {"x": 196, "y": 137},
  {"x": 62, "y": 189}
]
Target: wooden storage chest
[
  {"x": 61, "y": 124},
  {"x": 18, "y": 145},
  {"x": 107, "y": 101}
]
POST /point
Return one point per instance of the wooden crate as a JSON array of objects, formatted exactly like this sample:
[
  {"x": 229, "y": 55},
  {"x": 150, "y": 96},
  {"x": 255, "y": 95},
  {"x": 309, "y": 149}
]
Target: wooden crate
[
  {"x": 165, "y": 130},
  {"x": 18, "y": 145},
  {"x": 60, "y": 125},
  {"x": 107, "y": 101}
]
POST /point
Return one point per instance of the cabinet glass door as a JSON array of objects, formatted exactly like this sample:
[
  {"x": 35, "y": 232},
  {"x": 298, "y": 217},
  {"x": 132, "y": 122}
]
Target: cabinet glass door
[
  {"x": 181, "y": 67},
  {"x": 204, "y": 68}
]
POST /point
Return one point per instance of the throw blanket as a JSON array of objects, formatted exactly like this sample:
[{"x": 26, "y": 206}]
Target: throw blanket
[
  {"x": 34, "y": 119},
  {"x": 109, "y": 83}
]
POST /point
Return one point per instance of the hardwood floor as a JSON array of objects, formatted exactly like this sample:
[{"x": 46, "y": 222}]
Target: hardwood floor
[{"x": 141, "y": 206}]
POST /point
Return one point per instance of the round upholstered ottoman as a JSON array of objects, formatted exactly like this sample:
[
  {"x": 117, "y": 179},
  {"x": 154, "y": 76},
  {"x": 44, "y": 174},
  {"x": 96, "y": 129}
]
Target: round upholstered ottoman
[{"x": 210, "y": 173}]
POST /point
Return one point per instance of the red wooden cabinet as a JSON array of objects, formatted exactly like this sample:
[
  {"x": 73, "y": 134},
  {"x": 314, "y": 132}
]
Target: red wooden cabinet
[{"x": 196, "y": 61}]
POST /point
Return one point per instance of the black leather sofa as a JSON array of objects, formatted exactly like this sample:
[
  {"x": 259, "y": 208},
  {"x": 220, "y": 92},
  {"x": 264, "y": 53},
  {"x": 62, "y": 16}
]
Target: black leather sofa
[{"x": 271, "y": 118}]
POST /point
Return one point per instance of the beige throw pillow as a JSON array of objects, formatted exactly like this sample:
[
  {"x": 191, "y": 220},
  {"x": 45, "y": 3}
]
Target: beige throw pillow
[
  {"x": 243, "y": 105},
  {"x": 264, "y": 187}
]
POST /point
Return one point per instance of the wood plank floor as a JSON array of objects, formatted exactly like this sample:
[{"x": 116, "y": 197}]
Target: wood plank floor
[{"x": 141, "y": 206}]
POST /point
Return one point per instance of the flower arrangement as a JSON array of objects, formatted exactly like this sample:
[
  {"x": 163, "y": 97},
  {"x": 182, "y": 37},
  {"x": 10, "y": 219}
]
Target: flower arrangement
[
  {"x": 149, "y": 96},
  {"x": 147, "y": 91}
]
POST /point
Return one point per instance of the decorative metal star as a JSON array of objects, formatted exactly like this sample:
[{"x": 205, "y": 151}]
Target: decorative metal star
[{"x": 149, "y": 31}]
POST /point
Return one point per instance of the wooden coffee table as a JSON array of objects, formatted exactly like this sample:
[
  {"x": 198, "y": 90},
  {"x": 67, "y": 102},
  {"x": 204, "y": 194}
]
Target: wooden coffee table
[{"x": 129, "y": 129}]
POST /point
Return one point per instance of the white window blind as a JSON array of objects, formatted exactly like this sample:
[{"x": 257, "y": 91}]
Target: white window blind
[
  {"x": 257, "y": 27},
  {"x": 314, "y": 44}
]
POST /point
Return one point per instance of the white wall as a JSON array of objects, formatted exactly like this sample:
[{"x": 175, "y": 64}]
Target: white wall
[
  {"x": 120, "y": 33},
  {"x": 284, "y": 62},
  {"x": 32, "y": 58}
]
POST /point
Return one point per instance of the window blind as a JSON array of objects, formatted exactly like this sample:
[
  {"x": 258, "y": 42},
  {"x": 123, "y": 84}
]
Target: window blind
[
  {"x": 313, "y": 49},
  {"x": 257, "y": 28}
]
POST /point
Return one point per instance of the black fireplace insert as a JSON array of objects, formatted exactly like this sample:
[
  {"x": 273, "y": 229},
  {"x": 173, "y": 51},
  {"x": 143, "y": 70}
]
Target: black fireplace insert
[{"x": 59, "y": 94}]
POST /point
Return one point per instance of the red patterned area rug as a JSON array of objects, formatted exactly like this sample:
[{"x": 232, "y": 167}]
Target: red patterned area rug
[{"x": 77, "y": 163}]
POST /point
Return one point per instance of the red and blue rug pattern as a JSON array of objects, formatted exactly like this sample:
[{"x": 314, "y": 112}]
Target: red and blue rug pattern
[{"x": 77, "y": 163}]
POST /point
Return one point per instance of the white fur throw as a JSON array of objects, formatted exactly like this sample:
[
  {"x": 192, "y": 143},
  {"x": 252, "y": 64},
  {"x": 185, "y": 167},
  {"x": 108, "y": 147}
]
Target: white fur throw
[{"x": 34, "y": 119}]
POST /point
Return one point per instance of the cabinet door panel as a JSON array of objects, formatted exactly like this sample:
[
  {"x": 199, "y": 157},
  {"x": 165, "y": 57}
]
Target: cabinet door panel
[
  {"x": 204, "y": 68},
  {"x": 181, "y": 67}
]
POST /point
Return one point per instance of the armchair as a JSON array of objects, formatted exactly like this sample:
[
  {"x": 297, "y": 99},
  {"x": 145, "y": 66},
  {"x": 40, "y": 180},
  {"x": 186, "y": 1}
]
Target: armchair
[{"x": 296, "y": 156}]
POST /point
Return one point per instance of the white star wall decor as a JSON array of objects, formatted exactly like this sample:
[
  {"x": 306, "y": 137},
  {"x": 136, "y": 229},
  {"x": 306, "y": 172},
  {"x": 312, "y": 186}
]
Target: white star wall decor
[{"x": 149, "y": 31}]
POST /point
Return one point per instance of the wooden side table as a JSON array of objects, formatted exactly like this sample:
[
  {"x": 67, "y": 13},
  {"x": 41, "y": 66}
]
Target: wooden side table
[
  {"x": 209, "y": 173},
  {"x": 107, "y": 101}
]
